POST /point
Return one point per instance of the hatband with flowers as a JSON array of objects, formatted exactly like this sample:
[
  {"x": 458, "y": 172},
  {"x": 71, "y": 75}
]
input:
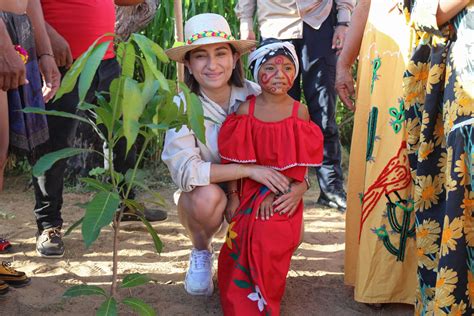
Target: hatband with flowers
[{"x": 204, "y": 34}]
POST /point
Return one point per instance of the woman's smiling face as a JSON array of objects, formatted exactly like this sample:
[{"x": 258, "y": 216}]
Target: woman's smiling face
[
  {"x": 212, "y": 65},
  {"x": 276, "y": 75}
]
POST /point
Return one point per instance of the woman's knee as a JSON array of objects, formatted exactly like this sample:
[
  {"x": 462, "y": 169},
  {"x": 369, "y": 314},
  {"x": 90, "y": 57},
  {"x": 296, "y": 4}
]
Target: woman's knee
[{"x": 204, "y": 203}]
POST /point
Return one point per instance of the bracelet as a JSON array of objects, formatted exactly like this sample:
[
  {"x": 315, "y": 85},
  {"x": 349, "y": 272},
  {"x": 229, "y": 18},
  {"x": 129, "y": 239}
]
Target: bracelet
[
  {"x": 342, "y": 24},
  {"x": 46, "y": 54},
  {"x": 232, "y": 192}
]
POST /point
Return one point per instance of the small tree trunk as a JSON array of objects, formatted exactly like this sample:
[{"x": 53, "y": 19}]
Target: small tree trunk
[
  {"x": 178, "y": 34},
  {"x": 131, "y": 19}
]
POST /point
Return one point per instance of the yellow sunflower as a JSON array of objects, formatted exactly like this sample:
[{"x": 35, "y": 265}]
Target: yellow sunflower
[
  {"x": 435, "y": 74},
  {"x": 468, "y": 206},
  {"x": 458, "y": 309},
  {"x": 438, "y": 132},
  {"x": 449, "y": 184},
  {"x": 470, "y": 288},
  {"x": 442, "y": 161},
  {"x": 463, "y": 100},
  {"x": 445, "y": 285},
  {"x": 426, "y": 192},
  {"x": 449, "y": 115},
  {"x": 449, "y": 71},
  {"x": 231, "y": 235},
  {"x": 413, "y": 130},
  {"x": 451, "y": 231},
  {"x": 415, "y": 85},
  {"x": 462, "y": 170},
  {"x": 425, "y": 150}
]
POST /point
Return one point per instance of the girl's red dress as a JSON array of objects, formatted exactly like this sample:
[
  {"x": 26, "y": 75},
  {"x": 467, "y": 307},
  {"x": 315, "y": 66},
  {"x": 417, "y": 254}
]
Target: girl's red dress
[{"x": 255, "y": 259}]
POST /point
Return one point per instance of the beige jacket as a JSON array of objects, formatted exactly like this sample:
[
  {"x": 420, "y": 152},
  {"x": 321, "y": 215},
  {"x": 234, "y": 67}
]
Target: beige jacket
[
  {"x": 284, "y": 19},
  {"x": 188, "y": 160}
]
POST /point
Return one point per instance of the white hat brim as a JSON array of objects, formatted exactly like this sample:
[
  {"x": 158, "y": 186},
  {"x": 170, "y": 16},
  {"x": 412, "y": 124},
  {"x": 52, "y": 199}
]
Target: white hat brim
[{"x": 178, "y": 53}]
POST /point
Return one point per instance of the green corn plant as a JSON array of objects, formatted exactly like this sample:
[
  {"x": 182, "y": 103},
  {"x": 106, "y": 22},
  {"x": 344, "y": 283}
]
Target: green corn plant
[{"x": 136, "y": 106}]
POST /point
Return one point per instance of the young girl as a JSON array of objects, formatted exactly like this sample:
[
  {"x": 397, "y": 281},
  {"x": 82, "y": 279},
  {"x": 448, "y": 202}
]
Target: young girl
[{"x": 275, "y": 131}]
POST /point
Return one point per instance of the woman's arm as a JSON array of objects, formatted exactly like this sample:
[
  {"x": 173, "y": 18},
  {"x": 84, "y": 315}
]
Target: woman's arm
[
  {"x": 447, "y": 9},
  {"x": 47, "y": 64},
  {"x": 344, "y": 81}
]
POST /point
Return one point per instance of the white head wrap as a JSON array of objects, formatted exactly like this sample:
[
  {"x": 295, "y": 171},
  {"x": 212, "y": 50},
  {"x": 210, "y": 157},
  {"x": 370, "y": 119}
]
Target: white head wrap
[{"x": 266, "y": 51}]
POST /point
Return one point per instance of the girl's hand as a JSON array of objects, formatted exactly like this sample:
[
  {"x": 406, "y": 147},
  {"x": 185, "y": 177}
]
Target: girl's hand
[
  {"x": 51, "y": 76},
  {"x": 233, "y": 203},
  {"x": 272, "y": 179},
  {"x": 265, "y": 210},
  {"x": 287, "y": 203}
]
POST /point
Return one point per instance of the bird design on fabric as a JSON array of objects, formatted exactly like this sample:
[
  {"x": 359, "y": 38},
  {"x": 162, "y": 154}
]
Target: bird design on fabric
[{"x": 395, "y": 176}]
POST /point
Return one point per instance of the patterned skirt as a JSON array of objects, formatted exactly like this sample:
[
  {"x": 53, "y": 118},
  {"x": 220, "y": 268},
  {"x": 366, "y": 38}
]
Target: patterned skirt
[{"x": 28, "y": 132}]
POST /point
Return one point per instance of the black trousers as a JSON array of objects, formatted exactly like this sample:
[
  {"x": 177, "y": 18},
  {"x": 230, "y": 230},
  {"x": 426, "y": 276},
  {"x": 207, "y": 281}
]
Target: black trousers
[
  {"x": 318, "y": 74},
  {"x": 49, "y": 188}
]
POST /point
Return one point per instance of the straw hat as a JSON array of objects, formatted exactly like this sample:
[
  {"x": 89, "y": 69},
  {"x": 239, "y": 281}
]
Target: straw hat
[{"x": 205, "y": 29}]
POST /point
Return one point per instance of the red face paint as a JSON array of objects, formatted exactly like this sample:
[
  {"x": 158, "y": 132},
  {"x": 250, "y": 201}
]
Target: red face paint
[{"x": 276, "y": 75}]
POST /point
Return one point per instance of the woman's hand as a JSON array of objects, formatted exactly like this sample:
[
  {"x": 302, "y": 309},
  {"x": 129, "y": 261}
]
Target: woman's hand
[
  {"x": 345, "y": 85},
  {"x": 287, "y": 203},
  {"x": 265, "y": 211},
  {"x": 233, "y": 203},
  {"x": 51, "y": 76},
  {"x": 272, "y": 179}
]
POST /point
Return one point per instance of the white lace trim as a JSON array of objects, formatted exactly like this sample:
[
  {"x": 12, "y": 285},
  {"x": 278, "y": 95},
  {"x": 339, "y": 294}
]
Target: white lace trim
[{"x": 301, "y": 164}]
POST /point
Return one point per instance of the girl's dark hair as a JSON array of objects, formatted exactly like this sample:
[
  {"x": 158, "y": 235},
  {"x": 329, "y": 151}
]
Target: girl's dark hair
[{"x": 236, "y": 79}]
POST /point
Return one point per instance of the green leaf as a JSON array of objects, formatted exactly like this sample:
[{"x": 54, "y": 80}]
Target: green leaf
[
  {"x": 195, "y": 114},
  {"x": 48, "y": 160},
  {"x": 156, "y": 240},
  {"x": 139, "y": 306},
  {"x": 99, "y": 213},
  {"x": 242, "y": 284},
  {"x": 132, "y": 110},
  {"x": 149, "y": 88},
  {"x": 128, "y": 64},
  {"x": 139, "y": 175},
  {"x": 69, "y": 80},
  {"x": 108, "y": 308},
  {"x": 116, "y": 97},
  {"x": 96, "y": 184},
  {"x": 145, "y": 46},
  {"x": 135, "y": 279},
  {"x": 73, "y": 226},
  {"x": 159, "y": 52},
  {"x": 90, "y": 68},
  {"x": 84, "y": 106},
  {"x": 96, "y": 171},
  {"x": 56, "y": 113},
  {"x": 81, "y": 290}
]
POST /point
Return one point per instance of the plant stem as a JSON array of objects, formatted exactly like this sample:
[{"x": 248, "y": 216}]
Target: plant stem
[{"x": 116, "y": 226}]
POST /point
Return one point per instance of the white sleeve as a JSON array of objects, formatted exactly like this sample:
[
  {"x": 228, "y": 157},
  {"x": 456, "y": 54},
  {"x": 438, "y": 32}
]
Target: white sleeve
[{"x": 183, "y": 157}]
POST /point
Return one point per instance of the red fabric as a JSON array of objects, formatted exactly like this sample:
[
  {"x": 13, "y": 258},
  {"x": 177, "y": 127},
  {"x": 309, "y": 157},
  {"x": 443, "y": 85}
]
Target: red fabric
[
  {"x": 255, "y": 259},
  {"x": 81, "y": 22},
  {"x": 281, "y": 145}
]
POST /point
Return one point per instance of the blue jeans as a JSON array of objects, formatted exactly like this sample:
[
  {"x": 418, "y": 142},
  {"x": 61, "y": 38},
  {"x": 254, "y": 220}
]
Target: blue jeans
[{"x": 318, "y": 72}]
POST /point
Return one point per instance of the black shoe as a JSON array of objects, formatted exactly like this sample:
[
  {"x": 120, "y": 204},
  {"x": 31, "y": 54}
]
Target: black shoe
[
  {"x": 3, "y": 287},
  {"x": 151, "y": 215},
  {"x": 49, "y": 244},
  {"x": 336, "y": 199}
]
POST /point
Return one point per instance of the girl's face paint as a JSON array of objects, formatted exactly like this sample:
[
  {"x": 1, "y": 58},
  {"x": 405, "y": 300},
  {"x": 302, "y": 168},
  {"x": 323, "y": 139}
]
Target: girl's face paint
[{"x": 276, "y": 75}]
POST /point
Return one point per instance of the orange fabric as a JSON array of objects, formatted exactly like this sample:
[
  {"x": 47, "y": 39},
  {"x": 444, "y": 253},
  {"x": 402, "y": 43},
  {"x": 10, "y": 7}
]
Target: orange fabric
[{"x": 254, "y": 260}]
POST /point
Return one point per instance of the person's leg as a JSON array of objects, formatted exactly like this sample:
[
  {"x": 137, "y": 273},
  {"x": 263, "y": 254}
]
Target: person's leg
[
  {"x": 201, "y": 212},
  {"x": 318, "y": 72},
  {"x": 4, "y": 134},
  {"x": 123, "y": 161}
]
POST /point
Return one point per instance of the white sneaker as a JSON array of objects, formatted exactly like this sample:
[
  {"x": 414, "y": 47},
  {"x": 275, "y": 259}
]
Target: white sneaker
[{"x": 199, "y": 276}]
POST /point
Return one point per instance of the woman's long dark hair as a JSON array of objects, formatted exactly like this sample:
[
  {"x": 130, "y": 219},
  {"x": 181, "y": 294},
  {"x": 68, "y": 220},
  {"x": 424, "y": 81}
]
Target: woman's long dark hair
[{"x": 236, "y": 79}]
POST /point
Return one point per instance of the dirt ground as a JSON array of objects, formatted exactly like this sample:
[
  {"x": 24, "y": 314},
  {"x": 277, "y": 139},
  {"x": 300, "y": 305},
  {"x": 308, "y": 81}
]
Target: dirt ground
[{"x": 315, "y": 282}]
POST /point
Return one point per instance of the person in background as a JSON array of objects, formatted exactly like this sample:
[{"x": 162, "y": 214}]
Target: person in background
[
  {"x": 72, "y": 27},
  {"x": 439, "y": 112},
  {"x": 317, "y": 30},
  {"x": 380, "y": 237},
  {"x": 28, "y": 78}
]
